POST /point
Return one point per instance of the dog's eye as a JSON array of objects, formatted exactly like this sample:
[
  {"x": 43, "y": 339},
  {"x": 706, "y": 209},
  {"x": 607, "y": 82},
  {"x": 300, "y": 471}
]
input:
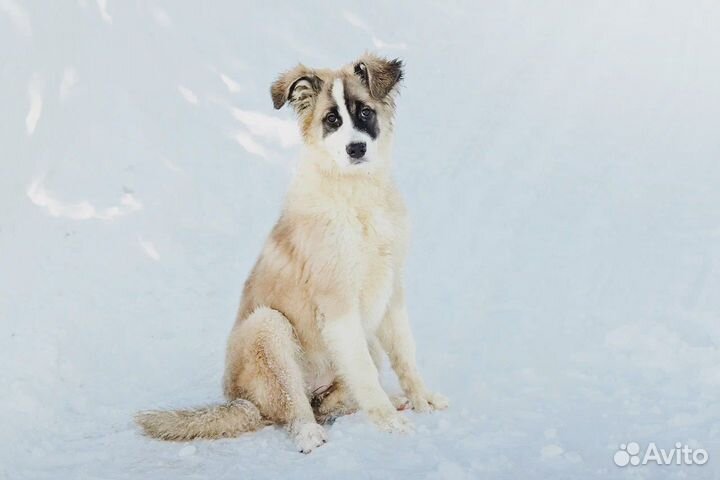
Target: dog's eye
[
  {"x": 366, "y": 113},
  {"x": 332, "y": 120}
]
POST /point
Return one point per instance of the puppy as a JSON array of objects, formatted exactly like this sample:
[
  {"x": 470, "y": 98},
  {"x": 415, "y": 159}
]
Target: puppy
[{"x": 325, "y": 299}]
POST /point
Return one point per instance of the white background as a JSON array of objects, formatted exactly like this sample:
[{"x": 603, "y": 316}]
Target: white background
[{"x": 561, "y": 163}]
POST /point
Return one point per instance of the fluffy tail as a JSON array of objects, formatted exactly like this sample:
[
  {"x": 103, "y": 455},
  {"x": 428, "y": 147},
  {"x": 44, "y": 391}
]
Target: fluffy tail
[{"x": 216, "y": 421}]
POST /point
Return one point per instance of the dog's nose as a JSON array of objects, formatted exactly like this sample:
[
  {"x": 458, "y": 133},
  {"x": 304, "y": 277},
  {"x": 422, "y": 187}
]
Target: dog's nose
[{"x": 356, "y": 149}]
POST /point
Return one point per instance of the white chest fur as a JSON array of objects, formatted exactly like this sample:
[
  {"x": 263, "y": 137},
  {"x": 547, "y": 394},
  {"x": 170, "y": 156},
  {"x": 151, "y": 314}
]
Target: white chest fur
[
  {"x": 361, "y": 227},
  {"x": 379, "y": 249}
]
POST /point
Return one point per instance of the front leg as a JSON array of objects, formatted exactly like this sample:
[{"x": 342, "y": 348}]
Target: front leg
[
  {"x": 345, "y": 339},
  {"x": 397, "y": 340}
]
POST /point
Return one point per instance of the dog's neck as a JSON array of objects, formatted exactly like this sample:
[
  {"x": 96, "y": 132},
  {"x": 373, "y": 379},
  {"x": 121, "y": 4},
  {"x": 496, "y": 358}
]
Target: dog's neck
[{"x": 314, "y": 185}]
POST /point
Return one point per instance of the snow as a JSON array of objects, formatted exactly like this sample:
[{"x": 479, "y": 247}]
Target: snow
[{"x": 560, "y": 163}]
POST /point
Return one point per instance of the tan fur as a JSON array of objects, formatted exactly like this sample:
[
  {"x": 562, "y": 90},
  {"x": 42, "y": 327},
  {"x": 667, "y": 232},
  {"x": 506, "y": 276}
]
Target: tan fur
[{"x": 325, "y": 298}]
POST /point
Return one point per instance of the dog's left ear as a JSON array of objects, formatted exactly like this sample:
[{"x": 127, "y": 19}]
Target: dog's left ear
[{"x": 380, "y": 76}]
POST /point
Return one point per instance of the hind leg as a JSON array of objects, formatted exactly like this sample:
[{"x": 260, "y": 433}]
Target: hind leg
[
  {"x": 262, "y": 366},
  {"x": 336, "y": 403}
]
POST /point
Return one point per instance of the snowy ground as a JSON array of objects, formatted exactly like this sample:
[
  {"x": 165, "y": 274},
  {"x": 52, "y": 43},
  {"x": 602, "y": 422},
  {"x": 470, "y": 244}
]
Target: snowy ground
[{"x": 569, "y": 304}]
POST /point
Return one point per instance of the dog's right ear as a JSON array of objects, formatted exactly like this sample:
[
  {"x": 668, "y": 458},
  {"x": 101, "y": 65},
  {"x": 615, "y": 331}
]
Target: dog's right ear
[{"x": 299, "y": 86}]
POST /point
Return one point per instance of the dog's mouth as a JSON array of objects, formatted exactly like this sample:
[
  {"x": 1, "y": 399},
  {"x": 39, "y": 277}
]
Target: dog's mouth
[{"x": 357, "y": 161}]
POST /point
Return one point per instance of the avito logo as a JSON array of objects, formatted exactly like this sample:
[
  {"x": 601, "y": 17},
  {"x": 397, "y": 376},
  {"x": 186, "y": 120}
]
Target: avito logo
[{"x": 629, "y": 454}]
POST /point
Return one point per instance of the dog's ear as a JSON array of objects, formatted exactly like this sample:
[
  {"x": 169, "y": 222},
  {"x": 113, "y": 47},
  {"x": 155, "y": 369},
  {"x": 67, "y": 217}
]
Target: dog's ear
[
  {"x": 299, "y": 86},
  {"x": 379, "y": 75}
]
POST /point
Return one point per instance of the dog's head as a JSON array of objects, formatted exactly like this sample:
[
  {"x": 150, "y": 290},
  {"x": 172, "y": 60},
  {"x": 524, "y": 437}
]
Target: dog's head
[{"x": 345, "y": 115}]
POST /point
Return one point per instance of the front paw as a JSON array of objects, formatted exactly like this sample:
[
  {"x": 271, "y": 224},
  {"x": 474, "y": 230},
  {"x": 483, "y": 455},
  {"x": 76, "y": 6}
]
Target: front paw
[
  {"x": 428, "y": 401},
  {"x": 309, "y": 437},
  {"x": 390, "y": 421},
  {"x": 400, "y": 402}
]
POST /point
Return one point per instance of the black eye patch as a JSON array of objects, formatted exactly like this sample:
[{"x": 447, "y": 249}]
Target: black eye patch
[{"x": 363, "y": 117}]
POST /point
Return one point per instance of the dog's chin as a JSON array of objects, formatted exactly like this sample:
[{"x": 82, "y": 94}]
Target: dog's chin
[{"x": 353, "y": 166}]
